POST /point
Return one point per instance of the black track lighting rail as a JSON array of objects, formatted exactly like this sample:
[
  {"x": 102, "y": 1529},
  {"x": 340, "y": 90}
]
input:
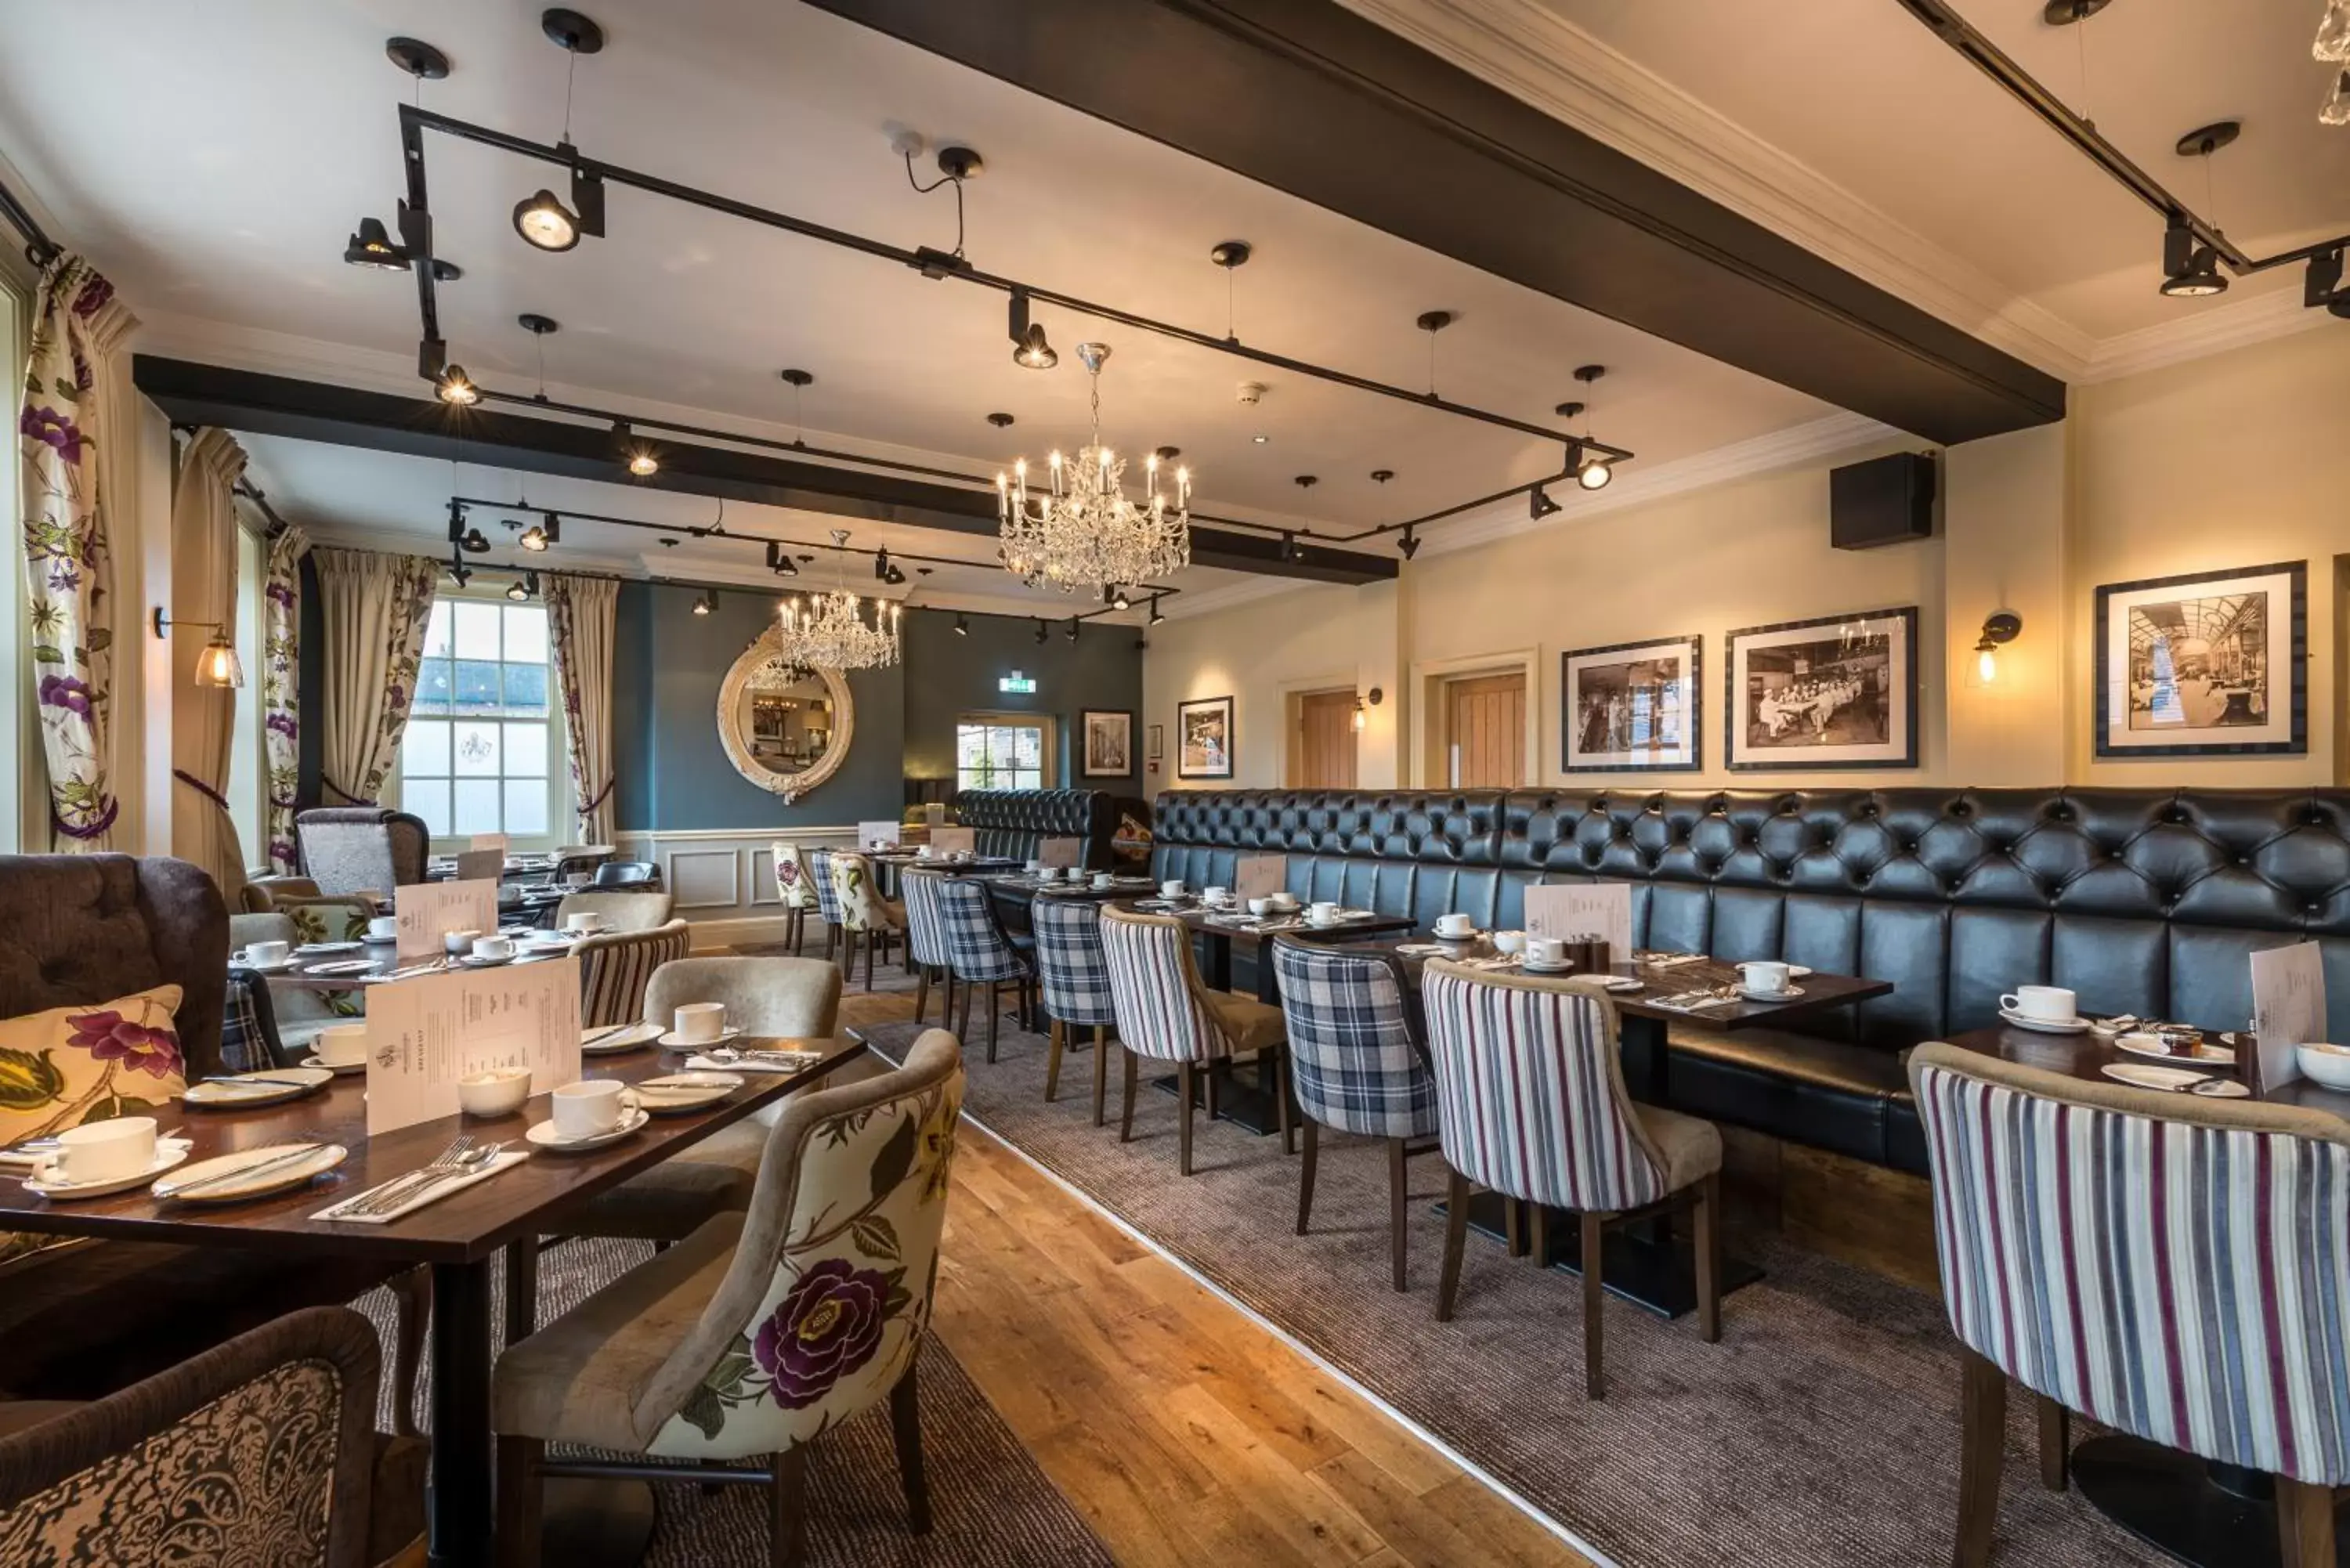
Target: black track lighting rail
[
  {"x": 39, "y": 249},
  {"x": 415, "y": 224}
]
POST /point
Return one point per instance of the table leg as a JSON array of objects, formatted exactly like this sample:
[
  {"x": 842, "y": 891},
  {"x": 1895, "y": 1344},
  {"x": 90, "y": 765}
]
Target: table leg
[
  {"x": 1218, "y": 969},
  {"x": 457, "y": 1508},
  {"x": 2213, "y": 1516}
]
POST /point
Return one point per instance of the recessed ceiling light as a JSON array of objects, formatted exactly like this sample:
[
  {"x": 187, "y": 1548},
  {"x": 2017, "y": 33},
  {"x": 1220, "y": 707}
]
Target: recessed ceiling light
[{"x": 1260, "y": 439}]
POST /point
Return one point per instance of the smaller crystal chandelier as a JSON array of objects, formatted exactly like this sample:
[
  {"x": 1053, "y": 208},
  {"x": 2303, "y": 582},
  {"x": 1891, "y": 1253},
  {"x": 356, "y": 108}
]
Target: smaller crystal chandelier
[
  {"x": 829, "y": 631},
  {"x": 1082, "y": 531}
]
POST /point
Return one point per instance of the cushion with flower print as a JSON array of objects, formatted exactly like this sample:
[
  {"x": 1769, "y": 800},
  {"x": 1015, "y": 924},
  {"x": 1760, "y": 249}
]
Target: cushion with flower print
[{"x": 84, "y": 1063}]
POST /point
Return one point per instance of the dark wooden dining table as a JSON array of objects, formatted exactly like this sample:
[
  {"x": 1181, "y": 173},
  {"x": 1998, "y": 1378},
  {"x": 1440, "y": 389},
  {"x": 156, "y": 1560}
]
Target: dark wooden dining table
[
  {"x": 456, "y": 1236},
  {"x": 889, "y": 863},
  {"x": 383, "y": 961}
]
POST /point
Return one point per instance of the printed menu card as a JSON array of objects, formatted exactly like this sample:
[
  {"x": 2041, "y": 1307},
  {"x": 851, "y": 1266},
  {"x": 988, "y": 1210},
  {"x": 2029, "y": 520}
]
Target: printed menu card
[
  {"x": 954, "y": 841},
  {"x": 882, "y": 831},
  {"x": 496, "y": 841},
  {"x": 473, "y": 865},
  {"x": 423, "y": 1034},
  {"x": 1061, "y": 851},
  {"x": 426, "y": 911},
  {"x": 1259, "y": 875},
  {"x": 2288, "y": 1009},
  {"x": 1573, "y": 909}
]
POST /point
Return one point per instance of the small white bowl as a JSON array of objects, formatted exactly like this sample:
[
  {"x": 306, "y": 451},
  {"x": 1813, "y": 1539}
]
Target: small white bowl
[
  {"x": 456, "y": 942},
  {"x": 1508, "y": 941},
  {"x": 2329, "y": 1064},
  {"x": 1258, "y": 907},
  {"x": 495, "y": 1092}
]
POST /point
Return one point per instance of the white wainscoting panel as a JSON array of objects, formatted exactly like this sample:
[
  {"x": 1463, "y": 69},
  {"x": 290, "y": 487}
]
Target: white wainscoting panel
[{"x": 724, "y": 879}]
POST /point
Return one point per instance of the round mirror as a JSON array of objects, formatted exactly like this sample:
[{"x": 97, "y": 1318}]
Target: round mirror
[{"x": 786, "y": 728}]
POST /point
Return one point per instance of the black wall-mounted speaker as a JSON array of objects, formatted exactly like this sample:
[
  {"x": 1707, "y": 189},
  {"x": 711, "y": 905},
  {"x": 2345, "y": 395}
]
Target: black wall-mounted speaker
[{"x": 1885, "y": 500}]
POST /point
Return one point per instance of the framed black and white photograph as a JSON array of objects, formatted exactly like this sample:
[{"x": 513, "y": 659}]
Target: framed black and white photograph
[
  {"x": 1157, "y": 743},
  {"x": 2211, "y": 664},
  {"x": 1630, "y": 708},
  {"x": 1107, "y": 743},
  {"x": 1203, "y": 739},
  {"x": 1840, "y": 691}
]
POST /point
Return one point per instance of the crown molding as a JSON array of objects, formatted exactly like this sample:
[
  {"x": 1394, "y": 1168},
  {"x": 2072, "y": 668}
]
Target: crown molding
[{"x": 2215, "y": 329}]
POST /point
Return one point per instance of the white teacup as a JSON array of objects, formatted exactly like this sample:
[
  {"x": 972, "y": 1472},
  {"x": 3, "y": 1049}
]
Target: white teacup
[
  {"x": 923, "y": 851},
  {"x": 1454, "y": 925},
  {"x": 493, "y": 947},
  {"x": 1102, "y": 879},
  {"x": 265, "y": 954},
  {"x": 1259, "y": 906},
  {"x": 700, "y": 1021},
  {"x": 455, "y": 942},
  {"x": 494, "y": 1090},
  {"x": 590, "y": 1106},
  {"x": 1508, "y": 941},
  {"x": 1282, "y": 900},
  {"x": 340, "y": 1044},
  {"x": 1033, "y": 866},
  {"x": 2051, "y": 1004},
  {"x": 1170, "y": 889},
  {"x": 587, "y": 922},
  {"x": 578, "y": 878},
  {"x": 1543, "y": 952},
  {"x": 110, "y": 1150},
  {"x": 1764, "y": 977},
  {"x": 383, "y": 928},
  {"x": 1322, "y": 912},
  {"x": 1211, "y": 895}
]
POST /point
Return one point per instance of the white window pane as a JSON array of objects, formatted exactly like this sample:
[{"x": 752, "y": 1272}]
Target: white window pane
[
  {"x": 477, "y": 750},
  {"x": 526, "y": 806},
  {"x": 428, "y": 798},
  {"x": 526, "y": 633},
  {"x": 424, "y": 749},
  {"x": 436, "y": 631},
  {"x": 477, "y": 806},
  {"x": 477, "y": 629},
  {"x": 1028, "y": 745},
  {"x": 525, "y": 752}
]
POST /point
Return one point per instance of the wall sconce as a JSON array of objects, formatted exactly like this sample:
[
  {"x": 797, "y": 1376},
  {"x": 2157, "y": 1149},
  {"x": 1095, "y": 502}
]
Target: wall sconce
[
  {"x": 1999, "y": 629},
  {"x": 1363, "y": 707},
  {"x": 217, "y": 665}
]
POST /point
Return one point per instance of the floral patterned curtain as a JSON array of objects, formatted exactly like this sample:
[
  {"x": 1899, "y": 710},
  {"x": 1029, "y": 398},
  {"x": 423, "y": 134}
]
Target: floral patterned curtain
[
  {"x": 374, "y": 608},
  {"x": 281, "y": 690},
  {"x": 69, "y": 574},
  {"x": 579, "y": 614}
]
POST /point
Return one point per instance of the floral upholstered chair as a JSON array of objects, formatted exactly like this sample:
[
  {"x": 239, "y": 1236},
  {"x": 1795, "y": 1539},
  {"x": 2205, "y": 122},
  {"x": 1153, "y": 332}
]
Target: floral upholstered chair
[
  {"x": 796, "y": 887},
  {"x": 865, "y": 915},
  {"x": 744, "y": 1342}
]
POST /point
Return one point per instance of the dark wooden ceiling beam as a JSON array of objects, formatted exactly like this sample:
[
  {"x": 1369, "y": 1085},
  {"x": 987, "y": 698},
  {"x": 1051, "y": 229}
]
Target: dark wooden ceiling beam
[
  {"x": 248, "y": 400},
  {"x": 1310, "y": 98}
]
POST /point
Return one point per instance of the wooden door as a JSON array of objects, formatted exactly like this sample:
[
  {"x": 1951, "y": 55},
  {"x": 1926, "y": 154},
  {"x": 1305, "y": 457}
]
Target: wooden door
[
  {"x": 1485, "y": 725},
  {"x": 1325, "y": 741}
]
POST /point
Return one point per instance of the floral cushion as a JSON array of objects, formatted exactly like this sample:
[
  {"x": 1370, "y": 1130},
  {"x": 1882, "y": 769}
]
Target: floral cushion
[{"x": 74, "y": 1065}]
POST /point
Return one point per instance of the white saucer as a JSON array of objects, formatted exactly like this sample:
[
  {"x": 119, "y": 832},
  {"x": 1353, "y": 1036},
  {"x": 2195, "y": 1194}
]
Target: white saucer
[
  {"x": 1622, "y": 982},
  {"x": 279, "y": 1178},
  {"x": 379, "y": 941},
  {"x": 2138, "y": 1044},
  {"x": 551, "y": 946},
  {"x": 677, "y": 1042},
  {"x": 343, "y": 967},
  {"x": 1564, "y": 966},
  {"x": 338, "y": 1068},
  {"x": 1470, "y": 935},
  {"x": 628, "y": 1037},
  {"x": 2045, "y": 1025},
  {"x": 229, "y": 1097},
  {"x": 239, "y": 961},
  {"x": 1792, "y": 993},
  {"x": 474, "y": 960},
  {"x": 169, "y": 1153},
  {"x": 2174, "y": 1079},
  {"x": 676, "y": 1094},
  {"x": 542, "y": 1134}
]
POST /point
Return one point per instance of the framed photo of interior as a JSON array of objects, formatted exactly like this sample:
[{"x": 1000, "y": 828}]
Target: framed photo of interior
[
  {"x": 1157, "y": 743},
  {"x": 2207, "y": 664},
  {"x": 1631, "y": 707},
  {"x": 1839, "y": 692},
  {"x": 1108, "y": 738},
  {"x": 1203, "y": 739}
]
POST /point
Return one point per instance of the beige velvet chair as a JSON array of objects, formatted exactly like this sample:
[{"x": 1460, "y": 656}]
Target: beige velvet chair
[
  {"x": 747, "y": 1342},
  {"x": 622, "y": 910}
]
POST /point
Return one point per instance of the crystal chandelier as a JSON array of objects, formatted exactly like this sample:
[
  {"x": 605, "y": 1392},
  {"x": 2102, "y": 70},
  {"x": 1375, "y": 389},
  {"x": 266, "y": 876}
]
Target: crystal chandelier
[
  {"x": 1082, "y": 531},
  {"x": 829, "y": 631}
]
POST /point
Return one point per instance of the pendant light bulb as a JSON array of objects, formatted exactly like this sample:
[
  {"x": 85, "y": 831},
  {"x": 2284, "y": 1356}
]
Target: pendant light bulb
[
  {"x": 457, "y": 388},
  {"x": 643, "y": 464},
  {"x": 1986, "y": 662},
  {"x": 547, "y": 223},
  {"x": 218, "y": 666}
]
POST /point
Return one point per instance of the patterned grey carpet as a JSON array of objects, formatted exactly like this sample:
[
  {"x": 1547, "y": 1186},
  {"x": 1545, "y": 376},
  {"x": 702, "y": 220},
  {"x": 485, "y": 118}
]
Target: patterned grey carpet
[
  {"x": 1822, "y": 1430},
  {"x": 991, "y": 1507}
]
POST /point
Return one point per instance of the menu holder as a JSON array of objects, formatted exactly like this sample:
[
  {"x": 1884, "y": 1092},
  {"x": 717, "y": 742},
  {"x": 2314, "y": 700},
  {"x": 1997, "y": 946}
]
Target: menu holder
[
  {"x": 2288, "y": 1010},
  {"x": 423, "y": 1034},
  {"x": 1259, "y": 877},
  {"x": 883, "y": 831},
  {"x": 1064, "y": 852},
  {"x": 1599, "y": 912},
  {"x": 428, "y": 911},
  {"x": 480, "y": 865},
  {"x": 954, "y": 841}
]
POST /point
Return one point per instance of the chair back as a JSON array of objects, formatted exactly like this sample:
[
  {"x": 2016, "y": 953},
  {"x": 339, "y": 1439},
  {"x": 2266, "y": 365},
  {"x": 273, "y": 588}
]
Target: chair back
[
  {"x": 638, "y": 874},
  {"x": 1155, "y": 988},
  {"x": 259, "y": 1450},
  {"x": 361, "y": 849},
  {"x": 622, "y": 910},
  {"x": 2174, "y": 1267},
  {"x": 786, "y": 998},
  {"x": 977, "y": 948},
  {"x": 926, "y": 937},
  {"x": 614, "y": 968},
  {"x": 1351, "y": 1051},
  {"x": 794, "y": 886},
  {"x": 856, "y": 892},
  {"x": 1070, "y": 966},
  {"x": 828, "y": 896},
  {"x": 1530, "y": 1091},
  {"x": 827, "y": 1294}
]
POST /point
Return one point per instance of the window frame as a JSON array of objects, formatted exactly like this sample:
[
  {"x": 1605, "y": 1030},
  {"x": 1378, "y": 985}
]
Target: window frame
[
  {"x": 561, "y": 816},
  {"x": 1048, "y": 749}
]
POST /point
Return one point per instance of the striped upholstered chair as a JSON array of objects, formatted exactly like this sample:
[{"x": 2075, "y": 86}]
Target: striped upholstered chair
[
  {"x": 980, "y": 956},
  {"x": 1359, "y": 1065},
  {"x": 1167, "y": 1012},
  {"x": 1530, "y": 1103},
  {"x": 827, "y": 897},
  {"x": 615, "y": 967},
  {"x": 1074, "y": 977},
  {"x": 2217, "y": 1332},
  {"x": 926, "y": 940},
  {"x": 796, "y": 888}
]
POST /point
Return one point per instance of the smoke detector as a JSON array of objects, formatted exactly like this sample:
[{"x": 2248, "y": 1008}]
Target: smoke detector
[{"x": 1251, "y": 393}]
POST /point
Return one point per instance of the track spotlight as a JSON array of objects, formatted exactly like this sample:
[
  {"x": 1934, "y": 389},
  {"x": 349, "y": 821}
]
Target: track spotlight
[
  {"x": 547, "y": 530},
  {"x": 547, "y": 223},
  {"x": 1040, "y": 634},
  {"x": 474, "y": 543},
  {"x": 1029, "y": 348},
  {"x": 2190, "y": 271},
  {"x": 1156, "y": 615},
  {"x": 706, "y": 601},
  {"x": 1076, "y": 626},
  {"x": 457, "y": 388},
  {"x": 1291, "y": 550},
  {"x": 640, "y": 457},
  {"x": 895, "y": 577},
  {"x": 885, "y": 570},
  {"x": 1119, "y": 600},
  {"x": 1591, "y": 469},
  {"x": 1409, "y": 545},
  {"x": 1593, "y": 472},
  {"x": 962, "y": 626},
  {"x": 523, "y": 588},
  {"x": 372, "y": 247},
  {"x": 1539, "y": 504},
  {"x": 459, "y": 573},
  {"x": 779, "y": 560}
]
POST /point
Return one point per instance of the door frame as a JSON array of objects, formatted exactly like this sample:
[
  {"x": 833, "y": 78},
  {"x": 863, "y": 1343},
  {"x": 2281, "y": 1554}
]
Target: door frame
[
  {"x": 1291, "y": 694},
  {"x": 1429, "y": 677}
]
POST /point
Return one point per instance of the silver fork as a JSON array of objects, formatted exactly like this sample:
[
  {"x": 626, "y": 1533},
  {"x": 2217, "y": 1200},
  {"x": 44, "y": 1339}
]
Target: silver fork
[
  {"x": 395, "y": 1191},
  {"x": 467, "y": 1164}
]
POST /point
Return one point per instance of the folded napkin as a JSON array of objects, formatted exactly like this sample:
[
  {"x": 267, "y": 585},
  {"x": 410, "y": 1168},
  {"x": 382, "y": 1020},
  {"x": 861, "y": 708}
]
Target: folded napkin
[
  {"x": 427, "y": 1193},
  {"x": 1419, "y": 950},
  {"x": 1669, "y": 961},
  {"x": 798, "y": 1063},
  {"x": 1694, "y": 1002}
]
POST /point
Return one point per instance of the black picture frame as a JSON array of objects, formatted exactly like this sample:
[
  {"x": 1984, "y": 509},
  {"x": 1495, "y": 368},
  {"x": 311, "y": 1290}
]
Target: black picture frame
[
  {"x": 1157, "y": 749},
  {"x": 1690, "y": 646},
  {"x": 1899, "y": 623},
  {"x": 1208, "y": 708},
  {"x": 2294, "y": 641},
  {"x": 1086, "y": 768}
]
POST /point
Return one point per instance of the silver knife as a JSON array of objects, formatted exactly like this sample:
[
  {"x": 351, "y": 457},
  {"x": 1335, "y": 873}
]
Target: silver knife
[{"x": 174, "y": 1190}]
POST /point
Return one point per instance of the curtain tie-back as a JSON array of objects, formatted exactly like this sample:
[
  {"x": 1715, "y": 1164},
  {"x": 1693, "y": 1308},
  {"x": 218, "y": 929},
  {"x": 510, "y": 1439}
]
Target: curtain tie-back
[
  {"x": 330, "y": 783},
  {"x": 202, "y": 788},
  {"x": 601, "y": 796},
  {"x": 92, "y": 830}
]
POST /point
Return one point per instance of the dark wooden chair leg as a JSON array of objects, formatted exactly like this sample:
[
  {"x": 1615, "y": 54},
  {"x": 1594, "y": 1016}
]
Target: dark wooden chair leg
[
  {"x": 831, "y": 941},
  {"x": 1456, "y": 1236},
  {"x": 921, "y": 992},
  {"x": 1983, "y": 1440},
  {"x": 1513, "y": 1227},
  {"x": 1305, "y": 1176},
  {"x": 872, "y": 941},
  {"x": 2055, "y": 1444},
  {"x": 1708, "y": 1246},
  {"x": 519, "y": 1502},
  {"x": 994, "y": 1015},
  {"x": 522, "y": 1289},
  {"x": 947, "y": 1005},
  {"x": 1125, "y": 1116},
  {"x": 1281, "y": 1099},
  {"x": 1184, "y": 1073},
  {"x": 1053, "y": 1042},
  {"x": 1101, "y": 1070},
  {"x": 1595, "y": 1293},
  {"x": 1399, "y": 1205},
  {"x": 787, "y": 1508},
  {"x": 2304, "y": 1523},
  {"x": 905, "y": 1426},
  {"x": 1215, "y": 1071},
  {"x": 1538, "y": 1234},
  {"x": 414, "y": 1291},
  {"x": 962, "y": 1028}
]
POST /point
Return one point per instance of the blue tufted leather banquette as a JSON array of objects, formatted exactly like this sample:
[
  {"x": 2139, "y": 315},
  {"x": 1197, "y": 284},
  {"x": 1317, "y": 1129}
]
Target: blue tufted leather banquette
[
  {"x": 1014, "y": 821},
  {"x": 2146, "y": 901}
]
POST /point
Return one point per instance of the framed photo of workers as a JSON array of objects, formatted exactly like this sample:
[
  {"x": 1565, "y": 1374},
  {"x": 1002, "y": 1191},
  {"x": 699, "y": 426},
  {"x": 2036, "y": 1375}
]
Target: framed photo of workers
[
  {"x": 2211, "y": 664},
  {"x": 1840, "y": 691},
  {"x": 1632, "y": 707}
]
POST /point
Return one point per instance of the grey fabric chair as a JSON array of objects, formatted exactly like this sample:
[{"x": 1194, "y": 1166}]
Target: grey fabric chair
[
  {"x": 640, "y": 874},
  {"x": 622, "y": 910},
  {"x": 361, "y": 849}
]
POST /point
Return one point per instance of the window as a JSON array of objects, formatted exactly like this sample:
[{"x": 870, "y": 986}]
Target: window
[
  {"x": 1001, "y": 753},
  {"x": 483, "y": 752}
]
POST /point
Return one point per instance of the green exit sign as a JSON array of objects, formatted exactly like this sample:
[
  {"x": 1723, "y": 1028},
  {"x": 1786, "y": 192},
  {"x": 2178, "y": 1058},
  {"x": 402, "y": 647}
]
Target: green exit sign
[{"x": 1017, "y": 683}]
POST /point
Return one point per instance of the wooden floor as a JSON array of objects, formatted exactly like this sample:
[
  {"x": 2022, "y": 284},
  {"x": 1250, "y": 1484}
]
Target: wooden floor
[{"x": 1183, "y": 1431}]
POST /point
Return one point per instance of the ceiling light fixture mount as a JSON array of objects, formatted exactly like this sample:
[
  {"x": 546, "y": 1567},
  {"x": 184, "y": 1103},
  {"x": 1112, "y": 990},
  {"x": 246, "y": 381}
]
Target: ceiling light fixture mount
[
  {"x": 1002, "y": 421},
  {"x": 796, "y": 377},
  {"x": 568, "y": 29},
  {"x": 1082, "y": 531},
  {"x": 538, "y": 326},
  {"x": 2065, "y": 13},
  {"x": 959, "y": 162},
  {"x": 416, "y": 58},
  {"x": 1229, "y": 254}
]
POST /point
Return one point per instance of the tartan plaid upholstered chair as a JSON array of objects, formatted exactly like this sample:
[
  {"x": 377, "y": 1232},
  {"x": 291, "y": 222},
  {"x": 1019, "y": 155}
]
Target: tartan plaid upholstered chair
[
  {"x": 827, "y": 897},
  {"x": 980, "y": 956},
  {"x": 1530, "y": 1102},
  {"x": 1074, "y": 976},
  {"x": 1358, "y": 1066},
  {"x": 926, "y": 940},
  {"x": 2174, "y": 1267}
]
